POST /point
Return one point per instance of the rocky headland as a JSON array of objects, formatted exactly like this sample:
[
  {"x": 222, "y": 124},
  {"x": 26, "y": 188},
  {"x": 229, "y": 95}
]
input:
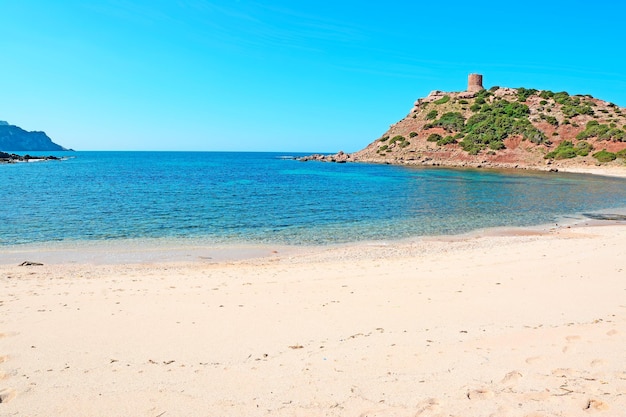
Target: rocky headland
[
  {"x": 502, "y": 127},
  {"x": 14, "y": 138}
]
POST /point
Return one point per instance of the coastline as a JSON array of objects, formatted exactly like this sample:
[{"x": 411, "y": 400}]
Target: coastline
[
  {"x": 587, "y": 167},
  {"x": 493, "y": 324},
  {"x": 177, "y": 250}
]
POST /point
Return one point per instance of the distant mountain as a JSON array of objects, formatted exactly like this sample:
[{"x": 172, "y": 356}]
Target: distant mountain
[
  {"x": 14, "y": 138},
  {"x": 501, "y": 127}
]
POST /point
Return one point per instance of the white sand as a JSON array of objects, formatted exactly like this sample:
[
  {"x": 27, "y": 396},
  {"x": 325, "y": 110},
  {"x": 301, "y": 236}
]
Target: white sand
[
  {"x": 531, "y": 325},
  {"x": 607, "y": 171}
]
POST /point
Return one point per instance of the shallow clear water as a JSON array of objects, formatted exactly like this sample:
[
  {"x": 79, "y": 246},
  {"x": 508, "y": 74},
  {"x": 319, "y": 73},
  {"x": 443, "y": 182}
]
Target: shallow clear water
[{"x": 266, "y": 198}]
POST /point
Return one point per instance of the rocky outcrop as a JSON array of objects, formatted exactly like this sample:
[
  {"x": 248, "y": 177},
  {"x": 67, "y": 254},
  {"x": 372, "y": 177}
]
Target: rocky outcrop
[
  {"x": 8, "y": 158},
  {"x": 14, "y": 138},
  {"x": 339, "y": 157},
  {"x": 501, "y": 128}
]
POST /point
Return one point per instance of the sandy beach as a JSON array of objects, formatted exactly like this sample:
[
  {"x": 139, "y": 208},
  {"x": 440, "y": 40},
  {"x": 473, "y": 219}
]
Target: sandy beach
[{"x": 512, "y": 324}]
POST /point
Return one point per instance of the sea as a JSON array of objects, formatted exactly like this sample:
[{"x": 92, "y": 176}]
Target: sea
[{"x": 217, "y": 198}]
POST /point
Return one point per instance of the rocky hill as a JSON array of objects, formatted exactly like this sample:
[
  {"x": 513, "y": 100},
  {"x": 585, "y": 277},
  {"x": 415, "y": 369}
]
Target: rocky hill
[
  {"x": 14, "y": 138},
  {"x": 502, "y": 128}
]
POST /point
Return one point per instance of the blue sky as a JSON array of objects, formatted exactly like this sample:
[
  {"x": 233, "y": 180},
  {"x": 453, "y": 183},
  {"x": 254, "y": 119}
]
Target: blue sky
[{"x": 289, "y": 76}]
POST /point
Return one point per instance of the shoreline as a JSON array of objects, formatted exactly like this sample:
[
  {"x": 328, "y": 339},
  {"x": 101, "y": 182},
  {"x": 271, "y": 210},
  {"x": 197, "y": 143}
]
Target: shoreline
[
  {"x": 145, "y": 251},
  {"x": 505, "y": 325},
  {"x": 613, "y": 170}
]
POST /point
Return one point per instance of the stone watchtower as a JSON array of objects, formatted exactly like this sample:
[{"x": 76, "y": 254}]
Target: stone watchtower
[{"x": 475, "y": 83}]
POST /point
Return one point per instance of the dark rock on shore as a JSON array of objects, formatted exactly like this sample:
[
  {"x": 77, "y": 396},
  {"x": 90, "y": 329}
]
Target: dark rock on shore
[
  {"x": 340, "y": 157},
  {"x": 9, "y": 158}
]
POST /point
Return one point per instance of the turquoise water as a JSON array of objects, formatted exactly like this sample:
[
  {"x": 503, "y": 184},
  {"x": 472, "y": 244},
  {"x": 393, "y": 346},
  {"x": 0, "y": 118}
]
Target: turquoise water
[{"x": 267, "y": 198}]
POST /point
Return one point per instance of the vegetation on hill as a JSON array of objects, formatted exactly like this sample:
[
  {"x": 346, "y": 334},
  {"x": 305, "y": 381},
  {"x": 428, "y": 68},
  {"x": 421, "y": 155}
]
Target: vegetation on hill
[
  {"x": 550, "y": 125},
  {"x": 489, "y": 125}
]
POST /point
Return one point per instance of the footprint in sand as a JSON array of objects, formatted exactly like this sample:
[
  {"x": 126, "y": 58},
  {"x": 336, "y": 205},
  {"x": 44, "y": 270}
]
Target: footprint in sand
[
  {"x": 570, "y": 340},
  {"x": 596, "y": 405},
  {"x": 7, "y": 395},
  {"x": 480, "y": 394},
  {"x": 597, "y": 362},
  {"x": 533, "y": 359},
  {"x": 511, "y": 378},
  {"x": 431, "y": 405},
  {"x": 612, "y": 332}
]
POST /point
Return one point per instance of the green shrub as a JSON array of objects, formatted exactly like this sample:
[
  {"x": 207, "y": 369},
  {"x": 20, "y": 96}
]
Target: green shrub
[
  {"x": 384, "y": 138},
  {"x": 543, "y": 102},
  {"x": 500, "y": 120},
  {"x": 583, "y": 148},
  {"x": 471, "y": 147},
  {"x": 431, "y": 115},
  {"x": 451, "y": 122},
  {"x": 383, "y": 148},
  {"x": 445, "y": 141},
  {"x": 484, "y": 93},
  {"x": 397, "y": 138},
  {"x": 565, "y": 150},
  {"x": 546, "y": 94},
  {"x": 572, "y": 106},
  {"x": 550, "y": 119},
  {"x": 463, "y": 101},
  {"x": 602, "y": 132},
  {"x": 412, "y": 134},
  {"x": 593, "y": 129},
  {"x": 475, "y": 107},
  {"x": 442, "y": 100},
  {"x": 614, "y": 134},
  {"x": 604, "y": 156},
  {"x": 562, "y": 97},
  {"x": 524, "y": 93},
  {"x": 566, "y": 153},
  {"x": 434, "y": 137},
  {"x": 621, "y": 154}
]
